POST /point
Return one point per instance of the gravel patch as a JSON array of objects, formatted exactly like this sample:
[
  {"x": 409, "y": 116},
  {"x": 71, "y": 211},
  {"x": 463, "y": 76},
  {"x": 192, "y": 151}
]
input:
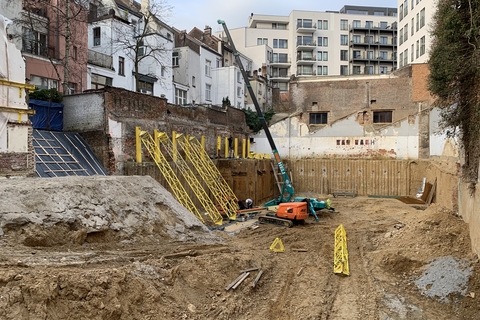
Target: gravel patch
[{"x": 445, "y": 276}]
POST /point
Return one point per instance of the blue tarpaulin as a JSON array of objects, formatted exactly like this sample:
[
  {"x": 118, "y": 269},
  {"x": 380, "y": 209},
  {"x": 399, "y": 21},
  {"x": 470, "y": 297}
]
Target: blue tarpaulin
[{"x": 48, "y": 115}]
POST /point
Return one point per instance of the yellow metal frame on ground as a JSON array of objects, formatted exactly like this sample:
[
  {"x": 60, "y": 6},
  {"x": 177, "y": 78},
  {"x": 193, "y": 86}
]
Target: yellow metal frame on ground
[{"x": 340, "y": 256}]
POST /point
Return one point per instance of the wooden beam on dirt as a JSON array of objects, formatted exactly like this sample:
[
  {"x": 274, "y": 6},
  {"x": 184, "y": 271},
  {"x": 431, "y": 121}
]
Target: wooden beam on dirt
[
  {"x": 300, "y": 271},
  {"x": 257, "y": 278},
  {"x": 248, "y": 270},
  {"x": 244, "y": 276},
  {"x": 300, "y": 250},
  {"x": 234, "y": 282}
]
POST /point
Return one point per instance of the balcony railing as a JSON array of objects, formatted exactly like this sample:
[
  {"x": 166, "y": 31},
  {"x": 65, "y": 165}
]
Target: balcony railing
[{"x": 100, "y": 59}]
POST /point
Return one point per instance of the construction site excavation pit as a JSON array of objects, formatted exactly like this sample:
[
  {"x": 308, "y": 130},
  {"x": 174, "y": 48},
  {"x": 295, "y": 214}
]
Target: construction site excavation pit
[{"x": 122, "y": 247}]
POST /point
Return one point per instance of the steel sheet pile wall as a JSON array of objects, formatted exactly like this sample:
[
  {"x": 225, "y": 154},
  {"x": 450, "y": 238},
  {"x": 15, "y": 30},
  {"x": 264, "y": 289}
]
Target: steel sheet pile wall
[{"x": 363, "y": 177}]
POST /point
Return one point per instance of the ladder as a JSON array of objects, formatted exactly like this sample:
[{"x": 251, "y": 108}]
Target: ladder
[
  {"x": 189, "y": 176},
  {"x": 169, "y": 174},
  {"x": 212, "y": 177}
]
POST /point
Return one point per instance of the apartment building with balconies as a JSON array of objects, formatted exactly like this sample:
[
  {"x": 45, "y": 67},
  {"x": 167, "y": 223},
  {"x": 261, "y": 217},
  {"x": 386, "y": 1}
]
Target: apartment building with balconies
[
  {"x": 354, "y": 40},
  {"x": 414, "y": 38}
]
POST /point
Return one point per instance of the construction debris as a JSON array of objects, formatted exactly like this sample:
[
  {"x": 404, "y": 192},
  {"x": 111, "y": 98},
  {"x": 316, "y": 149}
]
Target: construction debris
[{"x": 257, "y": 278}]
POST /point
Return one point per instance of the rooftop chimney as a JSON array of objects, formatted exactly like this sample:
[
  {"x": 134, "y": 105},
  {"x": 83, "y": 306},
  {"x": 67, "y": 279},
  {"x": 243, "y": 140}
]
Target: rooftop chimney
[{"x": 208, "y": 30}]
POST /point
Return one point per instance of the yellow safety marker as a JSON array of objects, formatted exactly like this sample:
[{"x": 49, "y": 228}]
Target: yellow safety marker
[
  {"x": 277, "y": 245},
  {"x": 340, "y": 255}
]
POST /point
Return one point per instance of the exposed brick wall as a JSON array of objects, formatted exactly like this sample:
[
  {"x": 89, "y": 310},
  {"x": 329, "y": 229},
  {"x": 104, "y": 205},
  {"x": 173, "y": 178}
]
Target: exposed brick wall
[
  {"x": 19, "y": 163},
  {"x": 133, "y": 109},
  {"x": 364, "y": 95},
  {"x": 420, "y": 73}
]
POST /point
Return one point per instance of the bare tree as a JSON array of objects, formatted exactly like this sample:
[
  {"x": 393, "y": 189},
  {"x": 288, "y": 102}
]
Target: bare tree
[
  {"x": 146, "y": 44},
  {"x": 58, "y": 31}
]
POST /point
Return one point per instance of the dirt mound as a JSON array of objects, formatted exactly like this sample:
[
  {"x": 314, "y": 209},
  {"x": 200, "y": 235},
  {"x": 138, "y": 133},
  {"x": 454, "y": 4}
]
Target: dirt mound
[{"x": 60, "y": 211}]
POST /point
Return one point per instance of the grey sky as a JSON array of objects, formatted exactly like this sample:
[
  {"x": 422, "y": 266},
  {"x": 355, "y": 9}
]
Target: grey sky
[{"x": 198, "y": 13}]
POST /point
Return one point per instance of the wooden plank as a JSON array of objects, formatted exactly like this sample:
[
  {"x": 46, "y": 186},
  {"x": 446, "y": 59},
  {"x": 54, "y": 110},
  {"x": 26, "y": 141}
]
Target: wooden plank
[
  {"x": 300, "y": 271},
  {"x": 257, "y": 278},
  {"x": 300, "y": 250},
  {"x": 248, "y": 270},
  {"x": 234, "y": 282},
  {"x": 244, "y": 276}
]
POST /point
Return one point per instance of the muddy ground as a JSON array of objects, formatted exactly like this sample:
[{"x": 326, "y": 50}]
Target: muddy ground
[{"x": 128, "y": 251}]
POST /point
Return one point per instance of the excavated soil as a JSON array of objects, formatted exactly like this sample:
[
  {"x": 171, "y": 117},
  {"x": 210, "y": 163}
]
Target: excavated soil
[{"x": 123, "y": 248}]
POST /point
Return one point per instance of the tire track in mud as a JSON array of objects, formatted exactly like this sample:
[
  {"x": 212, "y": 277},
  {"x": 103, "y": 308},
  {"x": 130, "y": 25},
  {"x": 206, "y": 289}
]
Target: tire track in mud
[{"x": 278, "y": 309}]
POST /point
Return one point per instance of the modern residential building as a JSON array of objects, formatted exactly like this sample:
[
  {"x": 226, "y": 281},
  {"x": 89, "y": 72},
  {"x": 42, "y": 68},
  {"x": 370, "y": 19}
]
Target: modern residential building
[
  {"x": 354, "y": 40},
  {"x": 39, "y": 29},
  {"x": 126, "y": 39},
  {"x": 414, "y": 38}
]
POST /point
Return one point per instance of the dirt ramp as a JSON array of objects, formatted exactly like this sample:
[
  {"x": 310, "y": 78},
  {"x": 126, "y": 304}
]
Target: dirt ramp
[{"x": 99, "y": 208}]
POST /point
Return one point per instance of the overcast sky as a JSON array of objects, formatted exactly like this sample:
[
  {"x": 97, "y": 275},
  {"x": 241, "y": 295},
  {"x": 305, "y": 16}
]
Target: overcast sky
[{"x": 187, "y": 14}]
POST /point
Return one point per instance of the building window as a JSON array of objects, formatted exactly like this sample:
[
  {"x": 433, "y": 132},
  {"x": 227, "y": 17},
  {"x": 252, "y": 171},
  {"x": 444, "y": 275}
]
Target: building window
[
  {"x": 344, "y": 55},
  {"x": 261, "y": 41},
  {"x": 405, "y": 8},
  {"x": 344, "y": 40},
  {"x": 322, "y": 55},
  {"x": 412, "y": 53},
  {"x": 280, "y": 43},
  {"x": 304, "y": 23},
  {"x": 405, "y": 33},
  {"x": 74, "y": 53},
  {"x": 369, "y": 70},
  {"x": 422, "y": 18},
  {"x": 96, "y": 36},
  {"x": 175, "y": 58},
  {"x": 383, "y": 25},
  {"x": 400, "y": 10},
  {"x": 405, "y": 57},
  {"x": 422, "y": 45},
  {"x": 99, "y": 82},
  {"x": 208, "y": 67},
  {"x": 323, "y": 25},
  {"x": 383, "y": 40},
  {"x": 279, "y": 26},
  {"x": 368, "y": 39},
  {"x": 121, "y": 66},
  {"x": 43, "y": 83},
  {"x": 194, "y": 82},
  {"x": 382, "y": 117},
  {"x": 417, "y": 49},
  {"x": 208, "y": 92},
  {"x": 318, "y": 118},
  {"x": 383, "y": 70},
  {"x": 357, "y": 39},
  {"x": 325, "y": 70},
  {"x": 71, "y": 88},
  {"x": 370, "y": 55},
  {"x": 343, "y": 70},
  {"x": 34, "y": 42},
  {"x": 305, "y": 41},
  {"x": 145, "y": 87},
  {"x": 141, "y": 48},
  {"x": 401, "y": 36},
  {"x": 180, "y": 97},
  {"x": 368, "y": 24},
  {"x": 343, "y": 24},
  {"x": 239, "y": 92},
  {"x": 418, "y": 21},
  {"x": 357, "y": 23},
  {"x": 356, "y": 54},
  {"x": 239, "y": 77},
  {"x": 356, "y": 70},
  {"x": 400, "y": 61}
]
